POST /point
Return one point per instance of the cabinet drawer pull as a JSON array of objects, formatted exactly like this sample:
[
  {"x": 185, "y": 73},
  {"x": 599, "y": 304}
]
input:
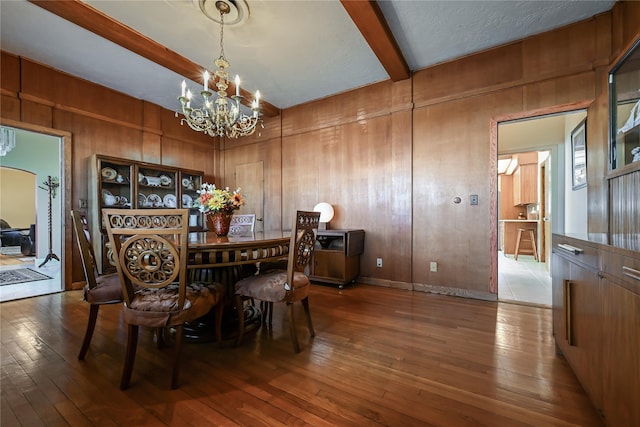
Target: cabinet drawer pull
[
  {"x": 631, "y": 272},
  {"x": 570, "y": 248},
  {"x": 568, "y": 324}
]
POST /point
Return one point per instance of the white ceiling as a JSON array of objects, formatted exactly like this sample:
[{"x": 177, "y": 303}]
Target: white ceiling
[{"x": 293, "y": 51}]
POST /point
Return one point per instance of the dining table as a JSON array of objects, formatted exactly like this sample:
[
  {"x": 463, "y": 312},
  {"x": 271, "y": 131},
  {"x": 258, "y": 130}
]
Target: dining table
[{"x": 226, "y": 260}]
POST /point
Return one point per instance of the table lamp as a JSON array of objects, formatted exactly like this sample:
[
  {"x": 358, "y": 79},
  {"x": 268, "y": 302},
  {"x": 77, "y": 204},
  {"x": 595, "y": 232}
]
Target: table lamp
[{"x": 326, "y": 214}]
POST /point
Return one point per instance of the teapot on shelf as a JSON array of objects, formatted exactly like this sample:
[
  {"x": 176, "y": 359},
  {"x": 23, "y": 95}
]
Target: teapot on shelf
[{"x": 108, "y": 199}]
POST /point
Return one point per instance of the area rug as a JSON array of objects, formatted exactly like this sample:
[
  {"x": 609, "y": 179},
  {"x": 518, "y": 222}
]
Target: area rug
[{"x": 20, "y": 275}]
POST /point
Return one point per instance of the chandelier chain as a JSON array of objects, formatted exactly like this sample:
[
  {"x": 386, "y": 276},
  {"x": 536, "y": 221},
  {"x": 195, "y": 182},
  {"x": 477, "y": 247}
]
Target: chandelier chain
[{"x": 222, "y": 34}]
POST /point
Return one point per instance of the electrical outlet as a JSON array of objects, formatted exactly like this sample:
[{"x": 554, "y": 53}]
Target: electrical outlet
[
  {"x": 379, "y": 262},
  {"x": 83, "y": 204},
  {"x": 433, "y": 266},
  {"x": 474, "y": 199}
]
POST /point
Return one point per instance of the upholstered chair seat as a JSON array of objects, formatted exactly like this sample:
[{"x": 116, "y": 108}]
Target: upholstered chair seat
[
  {"x": 270, "y": 286},
  {"x": 107, "y": 290},
  {"x": 159, "y": 307}
]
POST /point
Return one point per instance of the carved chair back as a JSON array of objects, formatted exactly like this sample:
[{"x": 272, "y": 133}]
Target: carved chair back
[
  {"x": 242, "y": 224},
  {"x": 303, "y": 238},
  {"x": 150, "y": 248},
  {"x": 87, "y": 255}
]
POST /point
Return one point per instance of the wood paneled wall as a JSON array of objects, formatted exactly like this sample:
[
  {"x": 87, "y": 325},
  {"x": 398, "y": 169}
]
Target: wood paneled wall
[{"x": 390, "y": 157}]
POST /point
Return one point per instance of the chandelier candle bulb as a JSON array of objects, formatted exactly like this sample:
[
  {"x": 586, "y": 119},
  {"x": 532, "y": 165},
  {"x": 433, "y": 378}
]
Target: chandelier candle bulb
[
  {"x": 184, "y": 88},
  {"x": 237, "y": 85},
  {"x": 206, "y": 81}
]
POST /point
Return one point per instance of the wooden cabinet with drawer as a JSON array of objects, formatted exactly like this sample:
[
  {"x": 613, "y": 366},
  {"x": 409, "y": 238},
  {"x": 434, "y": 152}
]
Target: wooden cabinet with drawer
[
  {"x": 596, "y": 323},
  {"x": 336, "y": 257},
  {"x": 577, "y": 314},
  {"x": 621, "y": 342}
]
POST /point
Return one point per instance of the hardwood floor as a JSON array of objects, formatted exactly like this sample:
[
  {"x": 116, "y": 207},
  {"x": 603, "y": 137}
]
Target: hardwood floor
[{"x": 381, "y": 356}]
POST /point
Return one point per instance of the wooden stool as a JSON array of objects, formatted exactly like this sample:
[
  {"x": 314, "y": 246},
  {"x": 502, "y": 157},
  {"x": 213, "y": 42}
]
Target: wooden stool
[{"x": 531, "y": 239}]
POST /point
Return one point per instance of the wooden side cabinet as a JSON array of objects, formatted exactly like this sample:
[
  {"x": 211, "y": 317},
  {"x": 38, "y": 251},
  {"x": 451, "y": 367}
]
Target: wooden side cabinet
[
  {"x": 336, "y": 257},
  {"x": 596, "y": 319}
]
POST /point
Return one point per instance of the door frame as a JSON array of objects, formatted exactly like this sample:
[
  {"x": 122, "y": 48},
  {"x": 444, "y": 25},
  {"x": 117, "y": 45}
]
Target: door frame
[
  {"x": 66, "y": 264},
  {"x": 493, "y": 174}
]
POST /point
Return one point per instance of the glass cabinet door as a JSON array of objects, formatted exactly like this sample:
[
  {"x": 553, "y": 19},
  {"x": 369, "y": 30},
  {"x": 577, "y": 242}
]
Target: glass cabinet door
[
  {"x": 190, "y": 183},
  {"x": 624, "y": 123},
  {"x": 115, "y": 184},
  {"x": 157, "y": 188}
]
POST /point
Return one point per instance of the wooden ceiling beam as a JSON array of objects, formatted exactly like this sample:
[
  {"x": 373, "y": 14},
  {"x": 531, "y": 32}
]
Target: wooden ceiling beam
[
  {"x": 370, "y": 20},
  {"x": 104, "y": 26}
]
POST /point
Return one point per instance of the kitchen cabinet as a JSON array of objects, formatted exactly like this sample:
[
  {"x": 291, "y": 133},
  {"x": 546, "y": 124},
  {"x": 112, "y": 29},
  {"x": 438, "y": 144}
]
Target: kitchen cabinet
[
  {"x": 127, "y": 184},
  {"x": 336, "y": 257},
  {"x": 596, "y": 323},
  {"x": 525, "y": 184}
]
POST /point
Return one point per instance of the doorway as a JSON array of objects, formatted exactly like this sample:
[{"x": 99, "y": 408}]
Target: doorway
[
  {"x": 541, "y": 145},
  {"x": 39, "y": 156}
]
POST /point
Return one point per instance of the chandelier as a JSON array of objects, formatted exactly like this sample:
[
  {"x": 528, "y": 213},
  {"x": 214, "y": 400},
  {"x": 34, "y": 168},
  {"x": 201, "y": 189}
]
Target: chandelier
[
  {"x": 7, "y": 140},
  {"x": 221, "y": 116}
]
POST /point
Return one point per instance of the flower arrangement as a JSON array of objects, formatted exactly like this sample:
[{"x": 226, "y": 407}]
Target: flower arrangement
[{"x": 214, "y": 200}]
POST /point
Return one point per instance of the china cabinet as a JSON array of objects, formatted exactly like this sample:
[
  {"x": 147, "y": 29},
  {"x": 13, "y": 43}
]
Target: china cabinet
[{"x": 128, "y": 184}]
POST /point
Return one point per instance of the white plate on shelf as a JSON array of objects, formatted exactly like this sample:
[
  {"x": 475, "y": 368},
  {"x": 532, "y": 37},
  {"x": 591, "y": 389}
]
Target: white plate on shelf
[
  {"x": 186, "y": 182},
  {"x": 187, "y": 201},
  {"x": 142, "y": 200},
  {"x": 169, "y": 201},
  {"x": 109, "y": 173},
  {"x": 154, "y": 201},
  {"x": 140, "y": 177},
  {"x": 165, "y": 180}
]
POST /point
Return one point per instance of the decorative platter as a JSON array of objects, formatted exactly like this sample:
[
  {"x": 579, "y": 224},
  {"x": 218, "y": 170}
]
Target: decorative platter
[
  {"x": 154, "y": 201},
  {"x": 142, "y": 200},
  {"x": 170, "y": 201},
  {"x": 109, "y": 173},
  {"x": 186, "y": 182},
  {"x": 165, "y": 180},
  {"x": 187, "y": 201}
]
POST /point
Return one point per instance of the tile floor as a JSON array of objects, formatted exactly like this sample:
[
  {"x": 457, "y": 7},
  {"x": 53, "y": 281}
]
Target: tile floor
[
  {"x": 525, "y": 280},
  {"x": 31, "y": 289}
]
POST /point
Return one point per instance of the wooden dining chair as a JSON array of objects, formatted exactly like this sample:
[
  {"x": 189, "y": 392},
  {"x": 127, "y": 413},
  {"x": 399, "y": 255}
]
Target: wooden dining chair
[
  {"x": 150, "y": 247},
  {"x": 284, "y": 286},
  {"x": 99, "y": 289}
]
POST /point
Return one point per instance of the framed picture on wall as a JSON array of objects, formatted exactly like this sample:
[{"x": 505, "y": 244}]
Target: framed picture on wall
[{"x": 579, "y": 155}]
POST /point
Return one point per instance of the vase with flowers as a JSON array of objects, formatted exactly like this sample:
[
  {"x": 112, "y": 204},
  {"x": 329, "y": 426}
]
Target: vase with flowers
[{"x": 218, "y": 204}]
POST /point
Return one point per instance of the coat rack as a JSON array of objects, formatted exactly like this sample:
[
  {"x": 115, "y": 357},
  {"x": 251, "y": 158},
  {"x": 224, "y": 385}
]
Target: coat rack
[{"x": 51, "y": 185}]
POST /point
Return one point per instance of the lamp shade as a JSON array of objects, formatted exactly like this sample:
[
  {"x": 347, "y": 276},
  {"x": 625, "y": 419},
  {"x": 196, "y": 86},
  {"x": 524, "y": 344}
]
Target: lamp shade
[{"x": 326, "y": 211}]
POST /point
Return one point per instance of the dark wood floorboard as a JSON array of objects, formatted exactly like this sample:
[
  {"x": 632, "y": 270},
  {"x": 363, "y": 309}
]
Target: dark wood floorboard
[{"x": 381, "y": 356}]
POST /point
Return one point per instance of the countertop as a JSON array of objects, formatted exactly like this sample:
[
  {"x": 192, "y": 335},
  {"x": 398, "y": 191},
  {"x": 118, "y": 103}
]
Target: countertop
[{"x": 628, "y": 244}]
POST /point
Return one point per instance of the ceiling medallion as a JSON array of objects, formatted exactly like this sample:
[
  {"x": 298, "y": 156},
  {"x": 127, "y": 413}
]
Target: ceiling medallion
[{"x": 221, "y": 116}]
